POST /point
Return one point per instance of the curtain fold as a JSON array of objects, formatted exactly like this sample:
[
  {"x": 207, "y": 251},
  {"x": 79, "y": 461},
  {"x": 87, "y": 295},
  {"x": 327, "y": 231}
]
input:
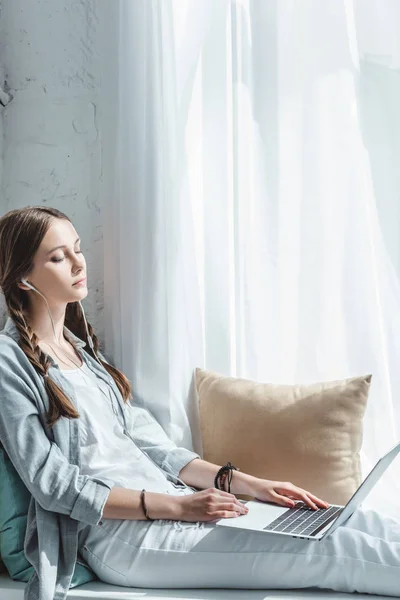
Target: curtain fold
[{"x": 253, "y": 222}]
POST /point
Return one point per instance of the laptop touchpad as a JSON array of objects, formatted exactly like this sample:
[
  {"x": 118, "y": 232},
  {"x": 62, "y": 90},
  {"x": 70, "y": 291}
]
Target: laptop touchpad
[{"x": 259, "y": 516}]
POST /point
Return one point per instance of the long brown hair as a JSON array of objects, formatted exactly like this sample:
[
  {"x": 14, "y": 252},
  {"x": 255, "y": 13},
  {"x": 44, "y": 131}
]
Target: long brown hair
[{"x": 21, "y": 233}]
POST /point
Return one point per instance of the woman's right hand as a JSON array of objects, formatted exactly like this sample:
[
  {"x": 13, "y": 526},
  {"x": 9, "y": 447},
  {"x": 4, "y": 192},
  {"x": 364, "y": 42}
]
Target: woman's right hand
[{"x": 209, "y": 505}]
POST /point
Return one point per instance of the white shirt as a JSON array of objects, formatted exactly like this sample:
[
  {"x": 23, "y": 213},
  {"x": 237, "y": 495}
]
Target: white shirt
[{"x": 105, "y": 449}]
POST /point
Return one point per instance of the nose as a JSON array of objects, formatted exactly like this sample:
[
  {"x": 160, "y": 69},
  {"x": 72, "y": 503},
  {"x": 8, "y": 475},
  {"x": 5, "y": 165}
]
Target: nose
[{"x": 79, "y": 263}]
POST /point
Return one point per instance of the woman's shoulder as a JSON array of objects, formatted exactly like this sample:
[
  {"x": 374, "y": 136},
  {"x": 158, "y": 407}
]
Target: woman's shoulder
[
  {"x": 18, "y": 377},
  {"x": 11, "y": 354},
  {"x": 8, "y": 346}
]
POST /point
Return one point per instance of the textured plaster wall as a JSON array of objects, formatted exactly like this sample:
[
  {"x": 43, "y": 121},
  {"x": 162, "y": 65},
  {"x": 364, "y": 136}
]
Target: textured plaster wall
[
  {"x": 2, "y": 80},
  {"x": 51, "y": 143}
]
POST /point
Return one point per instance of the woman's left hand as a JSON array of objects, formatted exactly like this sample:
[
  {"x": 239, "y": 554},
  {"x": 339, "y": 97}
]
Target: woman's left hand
[{"x": 283, "y": 492}]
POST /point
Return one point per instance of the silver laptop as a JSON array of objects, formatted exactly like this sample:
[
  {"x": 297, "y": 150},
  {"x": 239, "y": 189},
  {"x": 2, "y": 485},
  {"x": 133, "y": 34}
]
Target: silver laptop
[{"x": 301, "y": 520}]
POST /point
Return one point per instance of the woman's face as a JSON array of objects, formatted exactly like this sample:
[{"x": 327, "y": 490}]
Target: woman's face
[{"x": 56, "y": 270}]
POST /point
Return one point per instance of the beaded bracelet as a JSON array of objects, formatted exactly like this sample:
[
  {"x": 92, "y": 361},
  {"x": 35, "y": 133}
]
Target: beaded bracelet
[
  {"x": 220, "y": 477},
  {"x": 144, "y": 506}
]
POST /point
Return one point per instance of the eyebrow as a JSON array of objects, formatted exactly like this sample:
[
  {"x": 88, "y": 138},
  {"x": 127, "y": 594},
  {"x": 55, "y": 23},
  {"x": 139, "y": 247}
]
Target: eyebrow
[{"x": 62, "y": 246}]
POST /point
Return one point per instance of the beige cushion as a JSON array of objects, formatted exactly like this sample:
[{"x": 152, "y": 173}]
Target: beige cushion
[{"x": 309, "y": 435}]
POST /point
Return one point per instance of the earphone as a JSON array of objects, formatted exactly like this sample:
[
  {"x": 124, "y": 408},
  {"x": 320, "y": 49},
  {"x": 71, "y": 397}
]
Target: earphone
[
  {"x": 90, "y": 341},
  {"x": 25, "y": 282}
]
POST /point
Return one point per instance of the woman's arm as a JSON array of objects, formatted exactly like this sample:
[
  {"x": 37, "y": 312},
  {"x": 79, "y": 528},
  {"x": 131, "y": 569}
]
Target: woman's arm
[
  {"x": 123, "y": 503},
  {"x": 53, "y": 481},
  {"x": 150, "y": 437},
  {"x": 201, "y": 474}
]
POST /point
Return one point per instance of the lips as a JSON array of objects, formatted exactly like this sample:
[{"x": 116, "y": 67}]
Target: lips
[{"x": 79, "y": 281}]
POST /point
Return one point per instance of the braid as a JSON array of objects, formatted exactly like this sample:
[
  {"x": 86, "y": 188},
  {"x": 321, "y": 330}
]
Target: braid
[
  {"x": 21, "y": 234},
  {"x": 75, "y": 323},
  {"x": 28, "y": 340},
  {"x": 59, "y": 404}
]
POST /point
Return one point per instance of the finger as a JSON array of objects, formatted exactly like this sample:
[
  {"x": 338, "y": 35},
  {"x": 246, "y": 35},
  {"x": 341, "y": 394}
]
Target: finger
[
  {"x": 318, "y": 500},
  {"x": 308, "y": 501},
  {"x": 232, "y": 497},
  {"x": 225, "y": 514},
  {"x": 232, "y": 506},
  {"x": 303, "y": 496},
  {"x": 282, "y": 500},
  {"x": 299, "y": 494}
]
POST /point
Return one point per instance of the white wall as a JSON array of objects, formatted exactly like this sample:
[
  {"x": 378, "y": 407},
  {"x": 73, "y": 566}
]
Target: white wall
[
  {"x": 2, "y": 80},
  {"x": 58, "y": 57},
  {"x": 52, "y": 142}
]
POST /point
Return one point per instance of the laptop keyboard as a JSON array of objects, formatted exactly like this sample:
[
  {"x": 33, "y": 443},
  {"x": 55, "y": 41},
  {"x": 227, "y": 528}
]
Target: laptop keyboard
[{"x": 304, "y": 520}]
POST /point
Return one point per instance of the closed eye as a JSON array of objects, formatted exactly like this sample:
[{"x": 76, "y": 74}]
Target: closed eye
[{"x": 57, "y": 260}]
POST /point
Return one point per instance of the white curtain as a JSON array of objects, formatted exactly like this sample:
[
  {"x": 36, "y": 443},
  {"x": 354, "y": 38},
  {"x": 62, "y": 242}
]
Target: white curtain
[{"x": 252, "y": 212}]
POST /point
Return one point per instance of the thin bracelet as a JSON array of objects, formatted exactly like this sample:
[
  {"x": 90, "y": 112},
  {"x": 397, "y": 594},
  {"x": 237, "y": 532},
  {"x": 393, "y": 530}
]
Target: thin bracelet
[{"x": 144, "y": 506}]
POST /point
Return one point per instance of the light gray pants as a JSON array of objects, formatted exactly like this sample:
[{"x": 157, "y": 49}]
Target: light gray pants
[{"x": 362, "y": 556}]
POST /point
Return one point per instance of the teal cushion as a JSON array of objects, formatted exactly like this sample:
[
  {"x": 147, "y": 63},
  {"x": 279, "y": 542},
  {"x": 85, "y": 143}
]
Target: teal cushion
[{"x": 14, "y": 503}]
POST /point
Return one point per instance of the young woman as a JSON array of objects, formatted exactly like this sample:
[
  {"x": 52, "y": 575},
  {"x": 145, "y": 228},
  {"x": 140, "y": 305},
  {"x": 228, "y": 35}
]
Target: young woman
[{"x": 86, "y": 450}]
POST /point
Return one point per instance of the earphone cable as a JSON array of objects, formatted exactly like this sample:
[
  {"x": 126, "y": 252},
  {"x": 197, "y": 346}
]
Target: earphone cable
[{"x": 91, "y": 345}]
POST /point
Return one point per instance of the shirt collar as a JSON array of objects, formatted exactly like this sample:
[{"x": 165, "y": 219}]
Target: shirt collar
[{"x": 12, "y": 330}]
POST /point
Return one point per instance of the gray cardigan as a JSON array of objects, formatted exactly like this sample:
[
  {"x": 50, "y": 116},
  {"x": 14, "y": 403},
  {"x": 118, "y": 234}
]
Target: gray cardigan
[{"x": 48, "y": 461}]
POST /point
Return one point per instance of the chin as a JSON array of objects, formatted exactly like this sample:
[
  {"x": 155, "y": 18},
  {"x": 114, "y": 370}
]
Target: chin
[{"x": 82, "y": 292}]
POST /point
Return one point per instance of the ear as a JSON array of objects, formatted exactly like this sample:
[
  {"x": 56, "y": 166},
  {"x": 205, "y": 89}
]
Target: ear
[{"x": 22, "y": 286}]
